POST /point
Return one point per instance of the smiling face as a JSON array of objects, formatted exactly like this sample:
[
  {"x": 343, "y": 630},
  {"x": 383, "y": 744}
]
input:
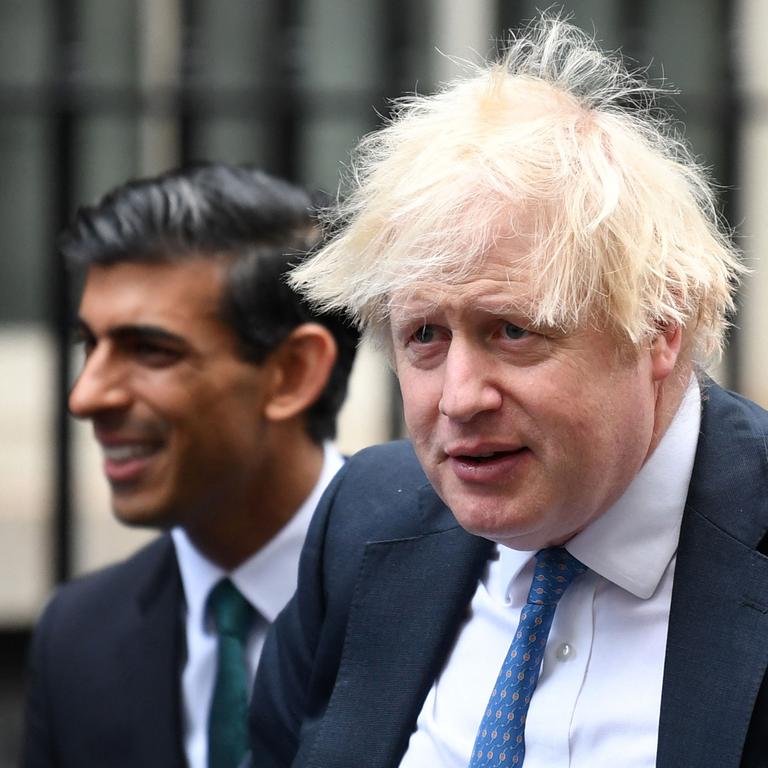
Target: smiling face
[
  {"x": 177, "y": 412},
  {"x": 527, "y": 434}
]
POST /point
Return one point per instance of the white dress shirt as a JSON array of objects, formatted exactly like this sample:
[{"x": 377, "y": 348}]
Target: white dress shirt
[
  {"x": 598, "y": 698},
  {"x": 267, "y": 580}
]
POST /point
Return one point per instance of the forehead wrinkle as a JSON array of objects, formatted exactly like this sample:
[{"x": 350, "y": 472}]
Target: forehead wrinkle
[{"x": 483, "y": 293}]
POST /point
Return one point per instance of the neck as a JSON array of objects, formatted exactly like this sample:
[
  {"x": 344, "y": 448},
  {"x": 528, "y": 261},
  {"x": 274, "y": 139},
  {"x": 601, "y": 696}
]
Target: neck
[
  {"x": 669, "y": 396},
  {"x": 285, "y": 478}
]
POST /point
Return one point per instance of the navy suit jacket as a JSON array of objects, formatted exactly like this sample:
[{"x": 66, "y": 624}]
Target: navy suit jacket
[
  {"x": 104, "y": 686},
  {"x": 387, "y": 575}
]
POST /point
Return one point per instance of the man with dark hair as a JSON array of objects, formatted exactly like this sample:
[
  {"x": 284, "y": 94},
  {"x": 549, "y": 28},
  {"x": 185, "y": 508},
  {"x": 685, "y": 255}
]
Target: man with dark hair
[{"x": 213, "y": 391}]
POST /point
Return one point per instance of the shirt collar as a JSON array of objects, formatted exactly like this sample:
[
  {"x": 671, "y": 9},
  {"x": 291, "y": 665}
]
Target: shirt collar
[
  {"x": 633, "y": 543},
  {"x": 268, "y": 578}
]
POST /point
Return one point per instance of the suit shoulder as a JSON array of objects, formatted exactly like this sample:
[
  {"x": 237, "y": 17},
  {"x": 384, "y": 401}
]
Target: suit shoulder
[
  {"x": 381, "y": 493},
  {"x": 721, "y": 406},
  {"x": 729, "y": 481},
  {"x": 113, "y": 586},
  {"x": 387, "y": 467}
]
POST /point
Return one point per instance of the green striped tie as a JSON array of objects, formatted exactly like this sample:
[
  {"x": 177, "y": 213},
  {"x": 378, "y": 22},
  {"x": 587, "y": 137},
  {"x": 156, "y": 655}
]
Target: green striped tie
[{"x": 228, "y": 718}]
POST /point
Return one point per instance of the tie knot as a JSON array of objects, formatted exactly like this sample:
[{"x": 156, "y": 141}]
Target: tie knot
[
  {"x": 231, "y": 612},
  {"x": 556, "y": 568}
]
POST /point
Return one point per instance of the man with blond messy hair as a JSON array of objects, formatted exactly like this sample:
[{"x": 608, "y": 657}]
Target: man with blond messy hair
[{"x": 567, "y": 563}]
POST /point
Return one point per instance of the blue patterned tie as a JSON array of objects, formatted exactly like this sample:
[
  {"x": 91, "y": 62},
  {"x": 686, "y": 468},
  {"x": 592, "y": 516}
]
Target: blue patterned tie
[
  {"x": 227, "y": 721},
  {"x": 500, "y": 740}
]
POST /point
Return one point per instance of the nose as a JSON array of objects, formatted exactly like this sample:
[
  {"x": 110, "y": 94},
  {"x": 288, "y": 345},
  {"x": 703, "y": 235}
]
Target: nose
[
  {"x": 100, "y": 387},
  {"x": 468, "y": 385}
]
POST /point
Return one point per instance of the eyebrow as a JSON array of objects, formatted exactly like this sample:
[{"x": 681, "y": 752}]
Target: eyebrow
[{"x": 119, "y": 332}]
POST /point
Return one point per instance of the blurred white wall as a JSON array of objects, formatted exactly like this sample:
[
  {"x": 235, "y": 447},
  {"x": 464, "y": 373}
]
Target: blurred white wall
[
  {"x": 752, "y": 52},
  {"x": 26, "y": 458}
]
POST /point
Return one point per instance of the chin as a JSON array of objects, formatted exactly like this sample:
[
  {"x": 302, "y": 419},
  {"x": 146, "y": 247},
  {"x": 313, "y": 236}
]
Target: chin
[
  {"x": 515, "y": 531},
  {"x": 138, "y": 515}
]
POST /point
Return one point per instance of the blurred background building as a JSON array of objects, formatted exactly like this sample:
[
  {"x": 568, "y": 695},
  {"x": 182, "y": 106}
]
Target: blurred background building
[{"x": 93, "y": 92}]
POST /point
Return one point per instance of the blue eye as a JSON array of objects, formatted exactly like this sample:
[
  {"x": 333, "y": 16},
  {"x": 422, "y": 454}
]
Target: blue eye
[
  {"x": 515, "y": 332},
  {"x": 424, "y": 335}
]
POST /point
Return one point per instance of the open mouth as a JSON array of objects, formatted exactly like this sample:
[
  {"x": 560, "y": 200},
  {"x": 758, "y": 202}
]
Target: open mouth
[
  {"x": 489, "y": 468},
  {"x": 127, "y": 463},
  {"x": 128, "y": 452},
  {"x": 482, "y": 458}
]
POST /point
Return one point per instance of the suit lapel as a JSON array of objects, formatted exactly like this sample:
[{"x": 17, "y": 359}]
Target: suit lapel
[
  {"x": 409, "y": 600},
  {"x": 150, "y": 656},
  {"x": 717, "y": 647}
]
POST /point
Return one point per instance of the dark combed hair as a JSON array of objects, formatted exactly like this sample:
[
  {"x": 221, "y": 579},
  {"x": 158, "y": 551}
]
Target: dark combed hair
[{"x": 260, "y": 225}]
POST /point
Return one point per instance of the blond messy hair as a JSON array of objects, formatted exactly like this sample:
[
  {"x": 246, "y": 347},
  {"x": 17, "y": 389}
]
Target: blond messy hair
[{"x": 622, "y": 223}]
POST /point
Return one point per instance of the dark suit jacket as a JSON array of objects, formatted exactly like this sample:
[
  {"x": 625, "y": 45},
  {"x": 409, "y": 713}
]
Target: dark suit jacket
[
  {"x": 105, "y": 659},
  {"x": 387, "y": 575}
]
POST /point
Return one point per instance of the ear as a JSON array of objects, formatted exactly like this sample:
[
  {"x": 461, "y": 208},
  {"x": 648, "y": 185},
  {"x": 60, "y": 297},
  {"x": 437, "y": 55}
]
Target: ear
[
  {"x": 665, "y": 349},
  {"x": 302, "y": 365}
]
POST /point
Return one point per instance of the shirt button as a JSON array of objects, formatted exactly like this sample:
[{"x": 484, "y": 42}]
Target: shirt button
[{"x": 564, "y": 652}]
